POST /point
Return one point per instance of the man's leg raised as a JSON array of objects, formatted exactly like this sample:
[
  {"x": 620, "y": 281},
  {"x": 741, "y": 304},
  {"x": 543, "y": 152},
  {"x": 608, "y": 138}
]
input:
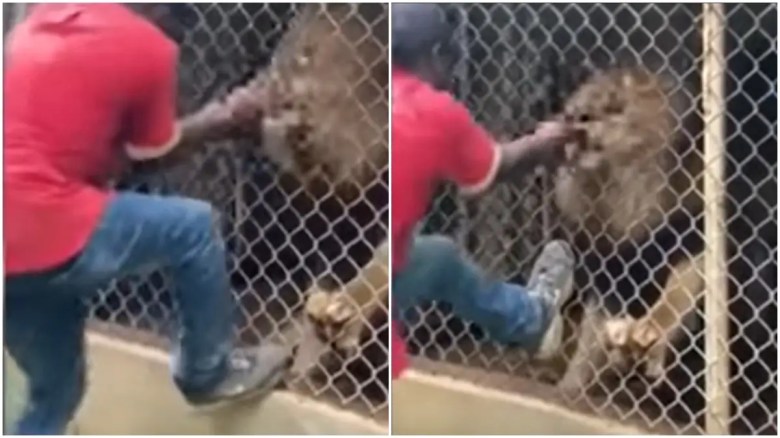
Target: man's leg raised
[
  {"x": 438, "y": 270},
  {"x": 140, "y": 232}
]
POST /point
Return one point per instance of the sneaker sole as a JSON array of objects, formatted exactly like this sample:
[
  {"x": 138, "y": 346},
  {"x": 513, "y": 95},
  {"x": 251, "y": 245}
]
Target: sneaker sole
[{"x": 256, "y": 395}]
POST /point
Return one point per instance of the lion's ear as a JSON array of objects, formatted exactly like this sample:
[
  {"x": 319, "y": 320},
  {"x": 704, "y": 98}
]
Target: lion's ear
[{"x": 629, "y": 79}]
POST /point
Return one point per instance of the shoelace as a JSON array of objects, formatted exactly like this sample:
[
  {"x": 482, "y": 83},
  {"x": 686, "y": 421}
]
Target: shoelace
[
  {"x": 545, "y": 288},
  {"x": 240, "y": 361}
]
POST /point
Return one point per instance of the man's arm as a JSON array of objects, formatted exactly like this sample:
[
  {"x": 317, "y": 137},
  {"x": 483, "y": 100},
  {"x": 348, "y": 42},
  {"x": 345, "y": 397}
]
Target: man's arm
[
  {"x": 518, "y": 156},
  {"x": 477, "y": 160},
  {"x": 543, "y": 148},
  {"x": 236, "y": 116},
  {"x": 213, "y": 122},
  {"x": 155, "y": 135}
]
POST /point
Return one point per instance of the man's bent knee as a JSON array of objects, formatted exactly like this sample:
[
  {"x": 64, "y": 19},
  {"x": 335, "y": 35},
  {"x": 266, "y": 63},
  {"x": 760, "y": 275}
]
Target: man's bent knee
[
  {"x": 197, "y": 213},
  {"x": 434, "y": 249},
  {"x": 199, "y": 221},
  {"x": 432, "y": 261}
]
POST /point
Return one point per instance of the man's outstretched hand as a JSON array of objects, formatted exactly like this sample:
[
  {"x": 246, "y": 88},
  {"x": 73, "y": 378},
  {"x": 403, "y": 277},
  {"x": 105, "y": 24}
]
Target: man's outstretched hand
[
  {"x": 545, "y": 147},
  {"x": 555, "y": 132},
  {"x": 245, "y": 107},
  {"x": 237, "y": 116},
  {"x": 549, "y": 142}
]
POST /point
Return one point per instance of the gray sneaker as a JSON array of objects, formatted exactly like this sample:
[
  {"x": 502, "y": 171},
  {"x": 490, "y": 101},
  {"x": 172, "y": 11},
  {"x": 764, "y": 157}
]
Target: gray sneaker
[
  {"x": 552, "y": 279},
  {"x": 253, "y": 372}
]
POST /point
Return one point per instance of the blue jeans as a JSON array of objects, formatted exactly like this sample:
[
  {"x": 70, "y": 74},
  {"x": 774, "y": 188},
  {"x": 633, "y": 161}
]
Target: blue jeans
[
  {"x": 437, "y": 270},
  {"x": 46, "y": 312}
]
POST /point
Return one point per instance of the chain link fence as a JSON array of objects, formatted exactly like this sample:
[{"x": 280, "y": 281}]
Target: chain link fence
[
  {"x": 288, "y": 237},
  {"x": 655, "y": 336}
]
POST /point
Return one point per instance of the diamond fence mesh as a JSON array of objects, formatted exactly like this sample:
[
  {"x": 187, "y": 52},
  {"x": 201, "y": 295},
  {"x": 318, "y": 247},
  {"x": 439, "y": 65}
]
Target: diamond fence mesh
[
  {"x": 674, "y": 322},
  {"x": 289, "y": 236}
]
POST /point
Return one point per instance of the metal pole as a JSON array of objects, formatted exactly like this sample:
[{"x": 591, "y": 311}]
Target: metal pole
[{"x": 716, "y": 308}]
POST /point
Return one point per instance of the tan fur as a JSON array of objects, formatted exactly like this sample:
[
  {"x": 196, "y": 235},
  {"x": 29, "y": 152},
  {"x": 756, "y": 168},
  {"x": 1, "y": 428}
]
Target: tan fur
[
  {"x": 341, "y": 317},
  {"x": 627, "y": 178},
  {"x": 586, "y": 354},
  {"x": 326, "y": 117},
  {"x": 621, "y": 342},
  {"x": 648, "y": 338}
]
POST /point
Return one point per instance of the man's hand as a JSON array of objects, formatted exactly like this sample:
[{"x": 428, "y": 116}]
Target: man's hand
[
  {"x": 237, "y": 116},
  {"x": 245, "y": 106},
  {"x": 548, "y": 142},
  {"x": 555, "y": 132},
  {"x": 546, "y": 147}
]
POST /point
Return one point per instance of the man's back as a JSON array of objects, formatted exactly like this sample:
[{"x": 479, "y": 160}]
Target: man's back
[
  {"x": 72, "y": 72},
  {"x": 434, "y": 140},
  {"x": 414, "y": 161}
]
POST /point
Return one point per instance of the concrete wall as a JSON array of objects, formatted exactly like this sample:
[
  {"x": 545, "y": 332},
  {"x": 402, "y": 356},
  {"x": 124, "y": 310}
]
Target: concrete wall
[
  {"x": 130, "y": 393},
  {"x": 433, "y": 405}
]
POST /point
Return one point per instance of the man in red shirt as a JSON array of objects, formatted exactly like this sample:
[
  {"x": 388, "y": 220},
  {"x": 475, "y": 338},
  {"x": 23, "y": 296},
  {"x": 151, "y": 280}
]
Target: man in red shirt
[
  {"x": 434, "y": 140},
  {"x": 84, "y": 85}
]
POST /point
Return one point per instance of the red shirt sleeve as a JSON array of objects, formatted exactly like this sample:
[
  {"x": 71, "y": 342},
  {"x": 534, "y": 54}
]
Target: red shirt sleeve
[
  {"x": 472, "y": 156},
  {"x": 152, "y": 129}
]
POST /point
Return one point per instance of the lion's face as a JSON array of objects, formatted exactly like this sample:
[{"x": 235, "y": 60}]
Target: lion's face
[{"x": 624, "y": 113}]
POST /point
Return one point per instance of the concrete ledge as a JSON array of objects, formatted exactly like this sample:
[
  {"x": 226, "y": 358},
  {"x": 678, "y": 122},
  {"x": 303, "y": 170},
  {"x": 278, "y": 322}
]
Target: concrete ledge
[
  {"x": 130, "y": 393},
  {"x": 432, "y": 405}
]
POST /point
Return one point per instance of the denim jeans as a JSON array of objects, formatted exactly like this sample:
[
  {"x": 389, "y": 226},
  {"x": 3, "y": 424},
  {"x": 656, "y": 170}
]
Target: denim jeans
[
  {"x": 46, "y": 312},
  {"x": 437, "y": 270}
]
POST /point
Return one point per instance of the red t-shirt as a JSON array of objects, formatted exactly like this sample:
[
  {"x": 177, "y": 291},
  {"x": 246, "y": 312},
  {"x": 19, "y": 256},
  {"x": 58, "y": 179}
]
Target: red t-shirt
[
  {"x": 81, "y": 81},
  {"x": 435, "y": 139}
]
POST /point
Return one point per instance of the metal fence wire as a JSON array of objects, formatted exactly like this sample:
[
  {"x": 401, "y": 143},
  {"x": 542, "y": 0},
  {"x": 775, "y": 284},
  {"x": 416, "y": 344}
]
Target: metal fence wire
[
  {"x": 673, "y": 326},
  {"x": 290, "y": 238}
]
